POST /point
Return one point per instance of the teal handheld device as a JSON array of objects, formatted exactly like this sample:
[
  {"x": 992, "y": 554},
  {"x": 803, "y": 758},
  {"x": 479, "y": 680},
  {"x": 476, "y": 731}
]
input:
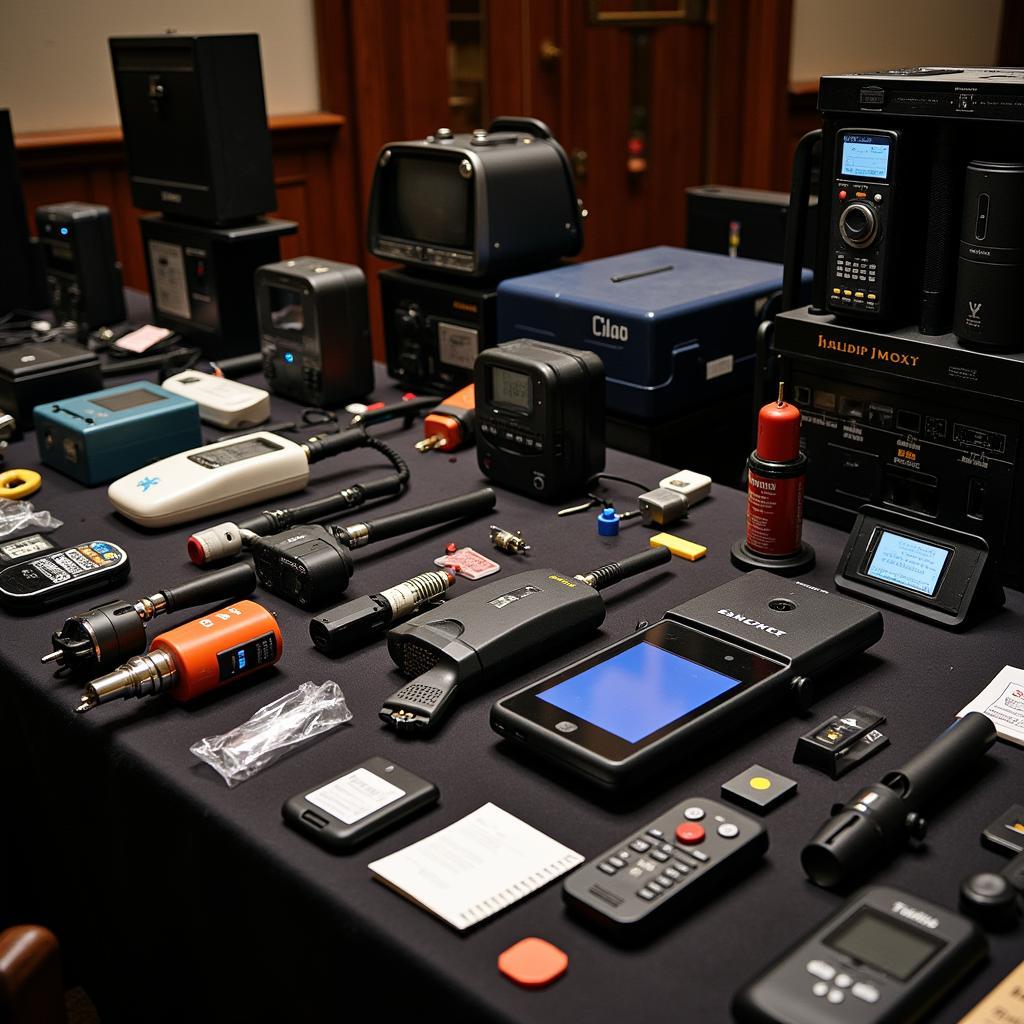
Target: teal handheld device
[{"x": 100, "y": 436}]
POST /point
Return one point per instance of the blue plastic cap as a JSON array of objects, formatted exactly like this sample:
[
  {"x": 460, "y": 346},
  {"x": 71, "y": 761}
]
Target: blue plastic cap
[{"x": 608, "y": 523}]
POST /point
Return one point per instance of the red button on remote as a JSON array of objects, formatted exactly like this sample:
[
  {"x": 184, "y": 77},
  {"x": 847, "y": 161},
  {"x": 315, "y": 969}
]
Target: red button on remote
[{"x": 690, "y": 833}]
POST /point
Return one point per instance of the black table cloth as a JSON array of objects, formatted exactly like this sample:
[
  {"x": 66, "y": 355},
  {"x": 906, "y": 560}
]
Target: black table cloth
[{"x": 176, "y": 897}]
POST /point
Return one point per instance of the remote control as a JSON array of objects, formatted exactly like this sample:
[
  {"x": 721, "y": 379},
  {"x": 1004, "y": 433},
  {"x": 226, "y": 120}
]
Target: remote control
[
  {"x": 57, "y": 578},
  {"x": 660, "y": 869}
]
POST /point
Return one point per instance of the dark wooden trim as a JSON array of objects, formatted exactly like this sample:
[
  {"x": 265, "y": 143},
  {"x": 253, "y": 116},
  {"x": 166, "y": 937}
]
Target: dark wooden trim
[
  {"x": 73, "y": 138},
  {"x": 1011, "y": 35}
]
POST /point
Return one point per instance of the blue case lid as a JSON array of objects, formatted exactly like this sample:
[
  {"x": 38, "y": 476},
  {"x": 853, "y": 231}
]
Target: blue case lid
[{"x": 663, "y": 281}]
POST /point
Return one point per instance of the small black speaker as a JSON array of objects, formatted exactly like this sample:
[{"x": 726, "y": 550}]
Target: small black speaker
[
  {"x": 195, "y": 126},
  {"x": 989, "y": 310}
]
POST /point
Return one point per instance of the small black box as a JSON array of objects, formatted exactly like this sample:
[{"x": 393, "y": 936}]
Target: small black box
[
  {"x": 83, "y": 276},
  {"x": 21, "y": 278},
  {"x": 40, "y": 372},
  {"x": 195, "y": 125},
  {"x": 315, "y": 331}
]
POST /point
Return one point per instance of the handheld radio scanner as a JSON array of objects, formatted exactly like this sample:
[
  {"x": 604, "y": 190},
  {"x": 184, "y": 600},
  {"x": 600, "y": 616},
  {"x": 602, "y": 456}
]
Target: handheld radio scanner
[
  {"x": 492, "y": 628},
  {"x": 101, "y": 638}
]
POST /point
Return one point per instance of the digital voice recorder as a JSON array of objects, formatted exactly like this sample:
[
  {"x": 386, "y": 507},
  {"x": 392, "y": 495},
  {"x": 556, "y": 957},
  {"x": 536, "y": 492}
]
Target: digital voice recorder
[
  {"x": 629, "y": 711},
  {"x": 887, "y": 957}
]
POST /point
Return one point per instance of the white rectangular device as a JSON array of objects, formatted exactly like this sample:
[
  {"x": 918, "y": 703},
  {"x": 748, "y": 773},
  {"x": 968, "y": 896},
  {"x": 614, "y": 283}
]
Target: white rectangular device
[
  {"x": 693, "y": 486},
  {"x": 223, "y": 403},
  {"x": 211, "y": 479}
]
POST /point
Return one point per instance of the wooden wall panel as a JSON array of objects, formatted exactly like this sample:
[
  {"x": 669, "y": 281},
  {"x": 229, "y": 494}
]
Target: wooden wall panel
[{"x": 89, "y": 166}]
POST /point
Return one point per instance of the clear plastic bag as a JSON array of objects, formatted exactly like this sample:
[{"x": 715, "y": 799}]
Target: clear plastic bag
[
  {"x": 273, "y": 731},
  {"x": 16, "y": 514}
]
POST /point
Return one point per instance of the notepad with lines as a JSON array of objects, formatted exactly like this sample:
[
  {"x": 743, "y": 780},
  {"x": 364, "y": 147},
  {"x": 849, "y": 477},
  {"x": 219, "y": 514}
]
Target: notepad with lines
[{"x": 476, "y": 866}]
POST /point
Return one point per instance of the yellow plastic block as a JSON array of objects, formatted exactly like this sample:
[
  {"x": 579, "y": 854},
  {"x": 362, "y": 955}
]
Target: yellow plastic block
[{"x": 679, "y": 547}]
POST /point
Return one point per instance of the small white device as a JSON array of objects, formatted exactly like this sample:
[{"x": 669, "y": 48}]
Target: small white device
[
  {"x": 224, "y": 403},
  {"x": 694, "y": 487},
  {"x": 211, "y": 479}
]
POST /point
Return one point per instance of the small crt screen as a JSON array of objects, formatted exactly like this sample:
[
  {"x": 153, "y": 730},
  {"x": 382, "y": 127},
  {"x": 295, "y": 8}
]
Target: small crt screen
[
  {"x": 638, "y": 691},
  {"x": 865, "y": 156},
  {"x": 914, "y": 564},
  {"x": 510, "y": 388},
  {"x": 428, "y": 201},
  {"x": 127, "y": 400},
  {"x": 286, "y": 309},
  {"x": 878, "y": 940}
]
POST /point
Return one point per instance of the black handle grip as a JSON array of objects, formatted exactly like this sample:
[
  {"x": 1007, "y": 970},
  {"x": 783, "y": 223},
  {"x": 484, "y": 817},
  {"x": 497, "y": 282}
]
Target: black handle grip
[
  {"x": 930, "y": 773},
  {"x": 462, "y": 506},
  {"x": 227, "y": 584},
  {"x": 323, "y": 446},
  {"x": 632, "y": 565},
  {"x": 796, "y": 220}
]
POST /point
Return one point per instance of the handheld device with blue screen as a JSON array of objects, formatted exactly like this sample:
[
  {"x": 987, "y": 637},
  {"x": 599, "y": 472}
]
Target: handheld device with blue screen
[{"x": 621, "y": 715}]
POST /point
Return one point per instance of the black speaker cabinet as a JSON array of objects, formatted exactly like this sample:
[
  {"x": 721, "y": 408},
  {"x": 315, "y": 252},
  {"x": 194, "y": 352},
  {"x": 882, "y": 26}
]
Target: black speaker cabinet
[
  {"x": 21, "y": 279},
  {"x": 195, "y": 126}
]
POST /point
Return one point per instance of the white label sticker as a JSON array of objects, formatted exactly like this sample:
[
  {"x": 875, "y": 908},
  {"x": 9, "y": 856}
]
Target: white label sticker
[
  {"x": 170, "y": 286},
  {"x": 718, "y": 367},
  {"x": 354, "y": 796},
  {"x": 457, "y": 346}
]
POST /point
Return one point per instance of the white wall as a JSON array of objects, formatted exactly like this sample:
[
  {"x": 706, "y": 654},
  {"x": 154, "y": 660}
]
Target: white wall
[
  {"x": 55, "y": 66},
  {"x": 830, "y": 37}
]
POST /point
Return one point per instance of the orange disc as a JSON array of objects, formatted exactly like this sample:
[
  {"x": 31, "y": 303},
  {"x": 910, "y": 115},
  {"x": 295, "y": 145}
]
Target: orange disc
[{"x": 533, "y": 963}]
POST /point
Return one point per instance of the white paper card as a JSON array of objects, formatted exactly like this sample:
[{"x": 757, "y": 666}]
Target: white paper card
[
  {"x": 475, "y": 867},
  {"x": 354, "y": 796},
  {"x": 1003, "y": 701}
]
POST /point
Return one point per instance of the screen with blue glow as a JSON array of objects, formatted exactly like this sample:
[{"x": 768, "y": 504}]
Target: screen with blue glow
[
  {"x": 865, "y": 158},
  {"x": 908, "y": 563},
  {"x": 638, "y": 691},
  {"x": 241, "y": 659}
]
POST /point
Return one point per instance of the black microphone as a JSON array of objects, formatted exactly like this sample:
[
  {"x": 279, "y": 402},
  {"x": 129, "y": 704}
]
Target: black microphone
[{"x": 889, "y": 813}]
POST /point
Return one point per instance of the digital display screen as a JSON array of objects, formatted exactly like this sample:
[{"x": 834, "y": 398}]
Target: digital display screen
[
  {"x": 127, "y": 400},
  {"x": 865, "y": 156},
  {"x": 510, "y": 388},
  {"x": 427, "y": 200},
  {"x": 907, "y": 562},
  {"x": 286, "y": 309},
  {"x": 880, "y": 941},
  {"x": 230, "y": 453},
  {"x": 638, "y": 691}
]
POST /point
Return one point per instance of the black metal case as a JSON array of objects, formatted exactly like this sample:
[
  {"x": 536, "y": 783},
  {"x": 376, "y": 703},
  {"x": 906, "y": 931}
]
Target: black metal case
[
  {"x": 34, "y": 373},
  {"x": 195, "y": 125}
]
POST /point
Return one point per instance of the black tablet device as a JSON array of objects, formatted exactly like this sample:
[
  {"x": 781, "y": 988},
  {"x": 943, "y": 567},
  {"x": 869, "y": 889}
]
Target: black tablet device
[{"x": 620, "y": 715}]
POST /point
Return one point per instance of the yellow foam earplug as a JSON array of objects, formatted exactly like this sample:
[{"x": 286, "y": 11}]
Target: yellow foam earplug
[
  {"x": 679, "y": 547},
  {"x": 19, "y": 483}
]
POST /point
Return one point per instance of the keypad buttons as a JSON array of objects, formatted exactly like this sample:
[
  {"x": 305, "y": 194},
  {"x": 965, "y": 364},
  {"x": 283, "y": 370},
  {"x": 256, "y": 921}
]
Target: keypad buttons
[
  {"x": 835, "y": 996},
  {"x": 843, "y": 981},
  {"x": 820, "y": 989},
  {"x": 693, "y": 813},
  {"x": 821, "y": 969},
  {"x": 727, "y": 830},
  {"x": 862, "y": 990}
]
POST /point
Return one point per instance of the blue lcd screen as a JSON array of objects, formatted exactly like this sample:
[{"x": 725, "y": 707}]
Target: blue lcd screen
[
  {"x": 639, "y": 691},
  {"x": 908, "y": 563},
  {"x": 865, "y": 156}
]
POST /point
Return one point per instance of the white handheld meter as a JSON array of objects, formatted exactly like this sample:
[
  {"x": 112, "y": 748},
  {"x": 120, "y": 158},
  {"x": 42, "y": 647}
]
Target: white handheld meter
[
  {"x": 215, "y": 478},
  {"x": 224, "y": 403}
]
